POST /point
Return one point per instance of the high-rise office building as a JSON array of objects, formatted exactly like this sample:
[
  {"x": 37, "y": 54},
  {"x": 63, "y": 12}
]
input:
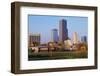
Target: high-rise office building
[
  {"x": 84, "y": 39},
  {"x": 63, "y": 31},
  {"x": 54, "y": 35},
  {"x": 34, "y": 39},
  {"x": 75, "y": 38}
]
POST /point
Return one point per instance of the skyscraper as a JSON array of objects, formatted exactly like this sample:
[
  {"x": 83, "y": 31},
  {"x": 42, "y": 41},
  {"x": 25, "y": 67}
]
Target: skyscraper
[
  {"x": 63, "y": 31},
  {"x": 75, "y": 38},
  {"x": 54, "y": 35},
  {"x": 84, "y": 39}
]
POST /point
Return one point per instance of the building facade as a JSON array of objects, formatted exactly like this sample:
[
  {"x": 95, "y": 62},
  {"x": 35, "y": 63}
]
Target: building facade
[
  {"x": 54, "y": 35},
  {"x": 84, "y": 39},
  {"x": 34, "y": 39},
  {"x": 63, "y": 31},
  {"x": 75, "y": 38}
]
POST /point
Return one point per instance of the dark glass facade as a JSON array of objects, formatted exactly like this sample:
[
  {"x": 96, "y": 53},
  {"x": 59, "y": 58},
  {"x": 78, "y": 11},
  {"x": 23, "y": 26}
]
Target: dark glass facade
[{"x": 63, "y": 31}]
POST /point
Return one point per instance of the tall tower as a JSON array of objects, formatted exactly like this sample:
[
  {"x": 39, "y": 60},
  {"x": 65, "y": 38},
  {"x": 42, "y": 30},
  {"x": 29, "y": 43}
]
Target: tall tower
[
  {"x": 75, "y": 38},
  {"x": 54, "y": 35},
  {"x": 63, "y": 31}
]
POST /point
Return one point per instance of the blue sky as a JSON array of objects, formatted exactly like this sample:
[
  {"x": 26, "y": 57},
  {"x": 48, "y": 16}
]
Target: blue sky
[{"x": 44, "y": 24}]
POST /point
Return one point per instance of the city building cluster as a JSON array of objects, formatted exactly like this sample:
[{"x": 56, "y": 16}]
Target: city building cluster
[{"x": 60, "y": 39}]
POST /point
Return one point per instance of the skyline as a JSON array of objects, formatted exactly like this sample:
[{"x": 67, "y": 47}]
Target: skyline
[{"x": 44, "y": 25}]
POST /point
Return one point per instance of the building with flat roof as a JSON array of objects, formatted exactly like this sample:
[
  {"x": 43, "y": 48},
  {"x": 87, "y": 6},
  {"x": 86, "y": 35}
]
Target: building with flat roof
[
  {"x": 84, "y": 39},
  {"x": 34, "y": 39},
  {"x": 75, "y": 38}
]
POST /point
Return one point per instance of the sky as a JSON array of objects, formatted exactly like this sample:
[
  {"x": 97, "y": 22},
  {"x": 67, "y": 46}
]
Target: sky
[{"x": 41, "y": 24}]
